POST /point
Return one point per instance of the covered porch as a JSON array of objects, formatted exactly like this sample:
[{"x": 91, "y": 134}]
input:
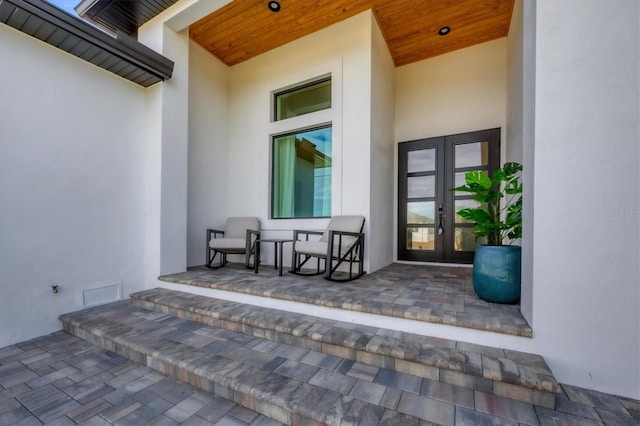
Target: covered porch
[{"x": 210, "y": 123}]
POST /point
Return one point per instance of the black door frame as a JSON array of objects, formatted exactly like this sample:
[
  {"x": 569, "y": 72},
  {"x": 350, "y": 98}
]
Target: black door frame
[{"x": 445, "y": 175}]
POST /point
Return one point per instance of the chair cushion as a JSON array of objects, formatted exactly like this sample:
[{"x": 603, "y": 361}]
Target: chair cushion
[
  {"x": 237, "y": 227},
  {"x": 314, "y": 248},
  {"x": 319, "y": 248},
  {"x": 228, "y": 243},
  {"x": 343, "y": 223}
]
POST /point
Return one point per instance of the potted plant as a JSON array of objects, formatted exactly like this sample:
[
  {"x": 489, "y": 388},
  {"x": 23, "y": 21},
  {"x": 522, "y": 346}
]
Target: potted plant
[{"x": 496, "y": 265}]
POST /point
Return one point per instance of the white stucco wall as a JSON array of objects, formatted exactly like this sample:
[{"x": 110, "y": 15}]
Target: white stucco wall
[
  {"x": 71, "y": 184},
  {"x": 174, "y": 142},
  {"x": 168, "y": 123},
  {"x": 520, "y": 131},
  {"x": 586, "y": 292},
  {"x": 166, "y": 147},
  {"x": 208, "y": 146},
  {"x": 381, "y": 235},
  {"x": 515, "y": 85},
  {"x": 453, "y": 93}
]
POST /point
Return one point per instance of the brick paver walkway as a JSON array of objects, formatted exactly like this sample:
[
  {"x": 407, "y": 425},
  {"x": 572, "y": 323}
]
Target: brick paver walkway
[{"x": 59, "y": 379}]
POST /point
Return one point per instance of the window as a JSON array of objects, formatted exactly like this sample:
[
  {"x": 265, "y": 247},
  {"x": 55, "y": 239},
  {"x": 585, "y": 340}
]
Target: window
[
  {"x": 303, "y": 99},
  {"x": 301, "y": 178},
  {"x": 301, "y": 156}
]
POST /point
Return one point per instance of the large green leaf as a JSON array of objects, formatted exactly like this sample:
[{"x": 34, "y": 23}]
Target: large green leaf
[
  {"x": 498, "y": 176},
  {"x": 513, "y": 187},
  {"x": 478, "y": 178},
  {"x": 511, "y": 168},
  {"x": 476, "y": 215}
]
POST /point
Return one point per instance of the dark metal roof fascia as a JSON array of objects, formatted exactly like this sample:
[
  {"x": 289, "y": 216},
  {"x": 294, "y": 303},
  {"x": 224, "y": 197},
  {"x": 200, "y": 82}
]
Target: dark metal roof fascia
[
  {"x": 119, "y": 15},
  {"x": 150, "y": 56},
  {"x": 82, "y": 10},
  {"x": 17, "y": 13}
]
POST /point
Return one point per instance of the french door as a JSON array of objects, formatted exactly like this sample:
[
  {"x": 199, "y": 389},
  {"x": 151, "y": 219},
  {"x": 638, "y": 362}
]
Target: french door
[{"x": 428, "y": 228}]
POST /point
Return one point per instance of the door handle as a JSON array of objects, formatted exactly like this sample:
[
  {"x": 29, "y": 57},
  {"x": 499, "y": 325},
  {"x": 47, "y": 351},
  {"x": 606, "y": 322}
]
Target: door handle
[{"x": 440, "y": 216}]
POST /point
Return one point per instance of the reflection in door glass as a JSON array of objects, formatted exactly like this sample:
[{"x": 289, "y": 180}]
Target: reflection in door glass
[
  {"x": 465, "y": 240},
  {"x": 471, "y": 154},
  {"x": 421, "y": 239},
  {"x": 423, "y": 160},
  {"x": 421, "y": 186},
  {"x": 421, "y": 212}
]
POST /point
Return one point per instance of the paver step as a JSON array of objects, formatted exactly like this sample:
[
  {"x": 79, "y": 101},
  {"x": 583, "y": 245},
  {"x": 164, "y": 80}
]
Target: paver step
[
  {"x": 288, "y": 384},
  {"x": 511, "y": 374},
  {"x": 431, "y": 294}
]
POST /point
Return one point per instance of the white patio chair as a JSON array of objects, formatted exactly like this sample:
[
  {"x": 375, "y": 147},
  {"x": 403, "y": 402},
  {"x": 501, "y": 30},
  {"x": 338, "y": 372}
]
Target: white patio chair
[
  {"x": 239, "y": 237},
  {"x": 342, "y": 242}
]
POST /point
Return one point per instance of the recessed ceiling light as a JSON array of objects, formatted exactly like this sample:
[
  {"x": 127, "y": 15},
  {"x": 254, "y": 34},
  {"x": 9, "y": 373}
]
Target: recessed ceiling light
[
  {"x": 274, "y": 6},
  {"x": 444, "y": 31}
]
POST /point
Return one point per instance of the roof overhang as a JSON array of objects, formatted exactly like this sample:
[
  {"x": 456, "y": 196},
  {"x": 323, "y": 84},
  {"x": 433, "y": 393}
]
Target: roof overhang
[
  {"x": 123, "y": 55},
  {"x": 127, "y": 16}
]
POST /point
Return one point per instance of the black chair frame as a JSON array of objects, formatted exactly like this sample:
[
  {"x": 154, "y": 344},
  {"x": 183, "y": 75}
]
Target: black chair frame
[
  {"x": 354, "y": 254},
  {"x": 248, "y": 250}
]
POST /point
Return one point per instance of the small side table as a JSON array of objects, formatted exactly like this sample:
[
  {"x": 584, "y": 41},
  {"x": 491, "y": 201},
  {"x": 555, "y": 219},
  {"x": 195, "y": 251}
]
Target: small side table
[{"x": 277, "y": 246}]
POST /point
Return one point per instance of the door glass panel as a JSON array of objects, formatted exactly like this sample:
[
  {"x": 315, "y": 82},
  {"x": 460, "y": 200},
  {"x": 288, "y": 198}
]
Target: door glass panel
[
  {"x": 421, "y": 238},
  {"x": 421, "y": 212},
  {"x": 471, "y": 154},
  {"x": 421, "y": 187},
  {"x": 463, "y": 204},
  {"x": 465, "y": 240},
  {"x": 423, "y": 160}
]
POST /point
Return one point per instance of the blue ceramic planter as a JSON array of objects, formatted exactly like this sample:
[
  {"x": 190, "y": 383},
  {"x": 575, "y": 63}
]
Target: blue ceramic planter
[{"x": 496, "y": 273}]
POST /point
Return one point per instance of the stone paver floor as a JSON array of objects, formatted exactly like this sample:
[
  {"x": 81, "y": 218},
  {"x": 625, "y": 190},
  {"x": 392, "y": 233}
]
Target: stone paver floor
[
  {"x": 438, "y": 294},
  {"x": 59, "y": 379}
]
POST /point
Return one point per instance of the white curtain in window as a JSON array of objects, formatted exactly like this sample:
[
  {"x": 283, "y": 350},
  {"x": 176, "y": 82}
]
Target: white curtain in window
[{"x": 285, "y": 169}]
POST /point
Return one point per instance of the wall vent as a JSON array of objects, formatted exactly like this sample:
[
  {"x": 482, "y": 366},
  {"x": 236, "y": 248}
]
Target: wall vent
[{"x": 102, "y": 293}]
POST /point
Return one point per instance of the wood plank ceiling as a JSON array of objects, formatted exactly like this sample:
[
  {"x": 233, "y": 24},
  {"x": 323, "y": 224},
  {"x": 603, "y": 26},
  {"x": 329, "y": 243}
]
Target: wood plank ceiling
[{"x": 243, "y": 29}]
